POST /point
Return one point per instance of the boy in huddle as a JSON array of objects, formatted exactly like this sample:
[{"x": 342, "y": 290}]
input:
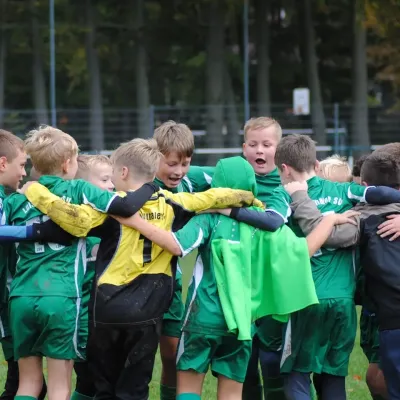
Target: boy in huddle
[
  {"x": 46, "y": 291},
  {"x": 335, "y": 169},
  {"x": 176, "y": 143},
  {"x": 333, "y": 274},
  {"x": 133, "y": 277},
  {"x": 96, "y": 169}
]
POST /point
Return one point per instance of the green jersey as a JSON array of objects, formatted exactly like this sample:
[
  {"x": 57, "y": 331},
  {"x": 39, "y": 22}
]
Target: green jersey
[
  {"x": 92, "y": 245},
  {"x": 203, "y": 312},
  {"x": 333, "y": 269},
  {"x": 49, "y": 269},
  {"x": 266, "y": 184}
]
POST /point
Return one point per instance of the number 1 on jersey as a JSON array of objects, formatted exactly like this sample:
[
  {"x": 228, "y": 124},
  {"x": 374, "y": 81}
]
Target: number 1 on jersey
[{"x": 147, "y": 245}]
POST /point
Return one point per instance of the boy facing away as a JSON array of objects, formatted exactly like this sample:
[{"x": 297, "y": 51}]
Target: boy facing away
[
  {"x": 46, "y": 291},
  {"x": 206, "y": 340},
  {"x": 134, "y": 278},
  {"x": 378, "y": 258}
]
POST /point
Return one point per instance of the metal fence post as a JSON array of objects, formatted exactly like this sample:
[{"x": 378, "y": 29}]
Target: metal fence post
[
  {"x": 336, "y": 126},
  {"x": 151, "y": 120}
]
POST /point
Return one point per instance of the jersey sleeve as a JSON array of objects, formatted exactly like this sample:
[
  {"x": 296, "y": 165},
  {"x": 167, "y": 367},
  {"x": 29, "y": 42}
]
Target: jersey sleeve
[
  {"x": 279, "y": 202},
  {"x": 199, "y": 178},
  {"x": 355, "y": 192},
  {"x": 195, "y": 233},
  {"x": 212, "y": 198},
  {"x": 113, "y": 203},
  {"x": 77, "y": 220}
]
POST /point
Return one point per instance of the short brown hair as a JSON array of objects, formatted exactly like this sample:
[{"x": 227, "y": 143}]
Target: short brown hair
[
  {"x": 173, "y": 137},
  {"x": 140, "y": 155},
  {"x": 296, "y": 151},
  {"x": 391, "y": 148},
  {"x": 87, "y": 162},
  {"x": 9, "y": 145},
  {"x": 381, "y": 169},
  {"x": 262, "y": 123},
  {"x": 48, "y": 148},
  {"x": 358, "y": 165}
]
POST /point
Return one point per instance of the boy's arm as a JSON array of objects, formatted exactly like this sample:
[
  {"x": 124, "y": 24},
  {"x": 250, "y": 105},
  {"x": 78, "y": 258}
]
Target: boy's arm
[
  {"x": 379, "y": 195},
  {"x": 319, "y": 235},
  {"x": 213, "y": 198},
  {"x": 180, "y": 243},
  {"x": 308, "y": 217},
  {"x": 199, "y": 178}
]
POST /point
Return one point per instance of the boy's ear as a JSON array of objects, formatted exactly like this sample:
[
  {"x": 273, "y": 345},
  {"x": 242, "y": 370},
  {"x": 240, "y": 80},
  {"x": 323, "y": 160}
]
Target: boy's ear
[
  {"x": 316, "y": 167},
  {"x": 364, "y": 183},
  {"x": 3, "y": 163},
  {"x": 124, "y": 172},
  {"x": 65, "y": 165}
]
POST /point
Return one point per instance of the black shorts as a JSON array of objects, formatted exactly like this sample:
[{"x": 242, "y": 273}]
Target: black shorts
[{"x": 121, "y": 360}]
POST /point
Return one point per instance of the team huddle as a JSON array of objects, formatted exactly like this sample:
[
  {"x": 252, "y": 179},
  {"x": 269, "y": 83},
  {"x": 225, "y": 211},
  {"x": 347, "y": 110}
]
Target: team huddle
[{"x": 286, "y": 248}]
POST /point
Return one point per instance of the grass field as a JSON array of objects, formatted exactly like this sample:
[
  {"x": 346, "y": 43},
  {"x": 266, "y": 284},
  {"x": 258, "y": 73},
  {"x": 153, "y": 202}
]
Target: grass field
[{"x": 355, "y": 385}]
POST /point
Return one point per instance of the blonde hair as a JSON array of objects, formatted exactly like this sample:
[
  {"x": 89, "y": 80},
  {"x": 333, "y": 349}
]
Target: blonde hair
[
  {"x": 262, "y": 123},
  {"x": 142, "y": 156},
  {"x": 9, "y": 145},
  {"x": 336, "y": 169},
  {"x": 86, "y": 164},
  {"x": 49, "y": 148},
  {"x": 171, "y": 136}
]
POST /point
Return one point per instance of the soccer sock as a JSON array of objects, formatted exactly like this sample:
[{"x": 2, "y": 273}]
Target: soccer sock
[
  {"x": 25, "y": 398},
  {"x": 77, "y": 396},
  {"x": 273, "y": 389},
  {"x": 167, "y": 392},
  {"x": 188, "y": 396}
]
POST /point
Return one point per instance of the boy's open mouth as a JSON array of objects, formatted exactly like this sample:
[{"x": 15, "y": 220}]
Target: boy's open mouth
[
  {"x": 260, "y": 161},
  {"x": 175, "y": 180}
]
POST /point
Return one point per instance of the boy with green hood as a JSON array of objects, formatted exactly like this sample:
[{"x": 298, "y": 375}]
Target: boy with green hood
[{"x": 216, "y": 329}]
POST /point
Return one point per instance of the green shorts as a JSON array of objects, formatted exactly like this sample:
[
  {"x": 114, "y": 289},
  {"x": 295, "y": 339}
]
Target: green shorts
[
  {"x": 226, "y": 355},
  {"x": 45, "y": 326},
  {"x": 270, "y": 333},
  {"x": 172, "y": 321},
  {"x": 369, "y": 336},
  {"x": 321, "y": 338}
]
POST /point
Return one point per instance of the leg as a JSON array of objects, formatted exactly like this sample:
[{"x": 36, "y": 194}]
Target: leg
[
  {"x": 297, "y": 386},
  {"x": 30, "y": 376},
  {"x": 84, "y": 383},
  {"x": 252, "y": 388},
  {"x": 189, "y": 382},
  {"x": 11, "y": 384},
  {"x": 171, "y": 332},
  {"x": 270, "y": 367},
  {"x": 59, "y": 379},
  {"x": 376, "y": 382},
  {"x": 168, "y": 349},
  {"x": 140, "y": 348},
  {"x": 229, "y": 389},
  {"x": 390, "y": 360},
  {"x": 104, "y": 351},
  {"x": 333, "y": 387}
]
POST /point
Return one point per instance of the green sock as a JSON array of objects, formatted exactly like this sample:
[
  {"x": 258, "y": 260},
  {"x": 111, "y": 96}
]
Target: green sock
[
  {"x": 167, "y": 392},
  {"x": 25, "y": 398},
  {"x": 273, "y": 389},
  {"x": 78, "y": 396},
  {"x": 188, "y": 396}
]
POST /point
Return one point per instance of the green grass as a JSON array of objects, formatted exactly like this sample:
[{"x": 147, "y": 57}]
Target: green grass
[{"x": 355, "y": 385}]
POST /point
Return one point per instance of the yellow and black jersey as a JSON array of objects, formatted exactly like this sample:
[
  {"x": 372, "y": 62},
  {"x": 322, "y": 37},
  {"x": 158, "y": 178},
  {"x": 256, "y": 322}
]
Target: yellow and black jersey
[{"x": 133, "y": 283}]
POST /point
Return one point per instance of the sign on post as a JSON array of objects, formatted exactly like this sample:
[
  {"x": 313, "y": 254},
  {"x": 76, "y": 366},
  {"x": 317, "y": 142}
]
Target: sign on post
[{"x": 301, "y": 101}]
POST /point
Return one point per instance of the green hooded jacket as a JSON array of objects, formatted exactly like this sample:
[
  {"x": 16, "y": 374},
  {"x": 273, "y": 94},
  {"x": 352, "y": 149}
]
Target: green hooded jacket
[{"x": 258, "y": 273}]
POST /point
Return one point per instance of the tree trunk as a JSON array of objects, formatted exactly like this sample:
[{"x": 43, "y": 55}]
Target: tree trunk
[
  {"x": 317, "y": 108},
  {"x": 96, "y": 129},
  {"x": 263, "y": 61},
  {"x": 215, "y": 66},
  {"x": 39, "y": 83},
  {"x": 3, "y": 49},
  {"x": 359, "y": 117},
  {"x": 233, "y": 126},
  {"x": 142, "y": 84}
]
